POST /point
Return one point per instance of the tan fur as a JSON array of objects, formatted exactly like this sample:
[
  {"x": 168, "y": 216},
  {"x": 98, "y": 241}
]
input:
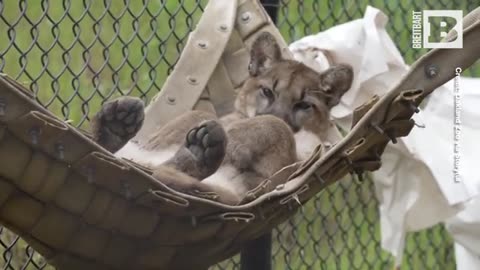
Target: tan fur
[
  {"x": 256, "y": 148},
  {"x": 280, "y": 98}
]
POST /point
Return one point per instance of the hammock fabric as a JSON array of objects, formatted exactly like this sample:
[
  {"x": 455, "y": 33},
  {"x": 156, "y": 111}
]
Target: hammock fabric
[{"x": 82, "y": 208}]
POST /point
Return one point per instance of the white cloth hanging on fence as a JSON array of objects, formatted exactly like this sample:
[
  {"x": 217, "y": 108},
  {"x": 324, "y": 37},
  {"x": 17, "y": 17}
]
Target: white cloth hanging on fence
[
  {"x": 465, "y": 229},
  {"x": 415, "y": 186}
]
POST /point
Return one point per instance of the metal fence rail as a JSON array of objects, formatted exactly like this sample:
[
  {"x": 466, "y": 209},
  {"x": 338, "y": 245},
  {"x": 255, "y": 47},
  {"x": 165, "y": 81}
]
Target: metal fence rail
[{"x": 75, "y": 54}]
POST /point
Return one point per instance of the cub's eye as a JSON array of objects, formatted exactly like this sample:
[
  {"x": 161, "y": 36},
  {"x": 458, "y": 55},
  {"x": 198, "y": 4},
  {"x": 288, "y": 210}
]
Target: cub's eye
[
  {"x": 267, "y": 92},
  {"x": 303, "y": 105}
]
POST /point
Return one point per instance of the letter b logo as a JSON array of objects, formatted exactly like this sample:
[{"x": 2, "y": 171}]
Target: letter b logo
[{"x": 453, "y": 44}]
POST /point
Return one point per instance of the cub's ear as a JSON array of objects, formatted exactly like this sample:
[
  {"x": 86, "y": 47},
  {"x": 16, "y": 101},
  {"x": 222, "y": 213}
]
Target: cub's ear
[
  {"x": 335, "y": 81},
  {"x": 265, "y": 53}
]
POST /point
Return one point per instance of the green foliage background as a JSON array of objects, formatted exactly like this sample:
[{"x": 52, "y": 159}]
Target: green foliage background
[{"x": 76, "y": 54}]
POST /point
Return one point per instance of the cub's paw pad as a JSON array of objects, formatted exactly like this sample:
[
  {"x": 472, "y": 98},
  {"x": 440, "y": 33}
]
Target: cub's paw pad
[
  {"x": 123, "y": 117},
  {"x": 207, "y": 142}
]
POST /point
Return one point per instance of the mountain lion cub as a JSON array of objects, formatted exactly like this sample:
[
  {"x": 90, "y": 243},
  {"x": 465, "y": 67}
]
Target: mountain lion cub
[{"x": 281, "y": 114}]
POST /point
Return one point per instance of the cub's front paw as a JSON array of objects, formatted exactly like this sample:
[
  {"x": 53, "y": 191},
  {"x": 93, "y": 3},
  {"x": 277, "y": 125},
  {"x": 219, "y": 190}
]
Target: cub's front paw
[{"x": 117, "y": 122}]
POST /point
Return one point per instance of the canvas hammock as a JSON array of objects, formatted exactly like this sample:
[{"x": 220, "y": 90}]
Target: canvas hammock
[{"x": 82, "y": 208}]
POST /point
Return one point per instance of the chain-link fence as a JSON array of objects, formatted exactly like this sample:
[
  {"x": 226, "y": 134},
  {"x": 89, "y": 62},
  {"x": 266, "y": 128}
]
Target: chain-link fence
[{"x": 75, "y": 54}]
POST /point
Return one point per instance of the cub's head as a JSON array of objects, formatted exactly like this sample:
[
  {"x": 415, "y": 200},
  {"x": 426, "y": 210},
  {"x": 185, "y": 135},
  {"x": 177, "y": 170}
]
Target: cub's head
[{"x": 289, "y": 89}]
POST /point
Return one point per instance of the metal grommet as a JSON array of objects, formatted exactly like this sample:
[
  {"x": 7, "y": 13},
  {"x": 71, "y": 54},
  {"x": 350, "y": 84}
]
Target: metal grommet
[
  {"x": 60, "y": 150},
  {"x": 223, "y": 28},
  {"x": 202, "y": 44},
  {"x": 34, "y": 133},
  {"x": 246, "y": 17},
  {"x": 171, "y": 100},
  {"x": 431, "y": 71},
  {"x": 192, "y": 80}
]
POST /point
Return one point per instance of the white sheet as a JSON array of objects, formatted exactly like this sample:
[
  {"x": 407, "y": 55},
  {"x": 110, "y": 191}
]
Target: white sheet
[{"x": 415, "y": 186}]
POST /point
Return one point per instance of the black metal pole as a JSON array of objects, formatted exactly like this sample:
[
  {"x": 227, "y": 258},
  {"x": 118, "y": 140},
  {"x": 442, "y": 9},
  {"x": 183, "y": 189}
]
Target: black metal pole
[
  {"x": 257, "y": 254},
  {"x": 271, "y": 6}
]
